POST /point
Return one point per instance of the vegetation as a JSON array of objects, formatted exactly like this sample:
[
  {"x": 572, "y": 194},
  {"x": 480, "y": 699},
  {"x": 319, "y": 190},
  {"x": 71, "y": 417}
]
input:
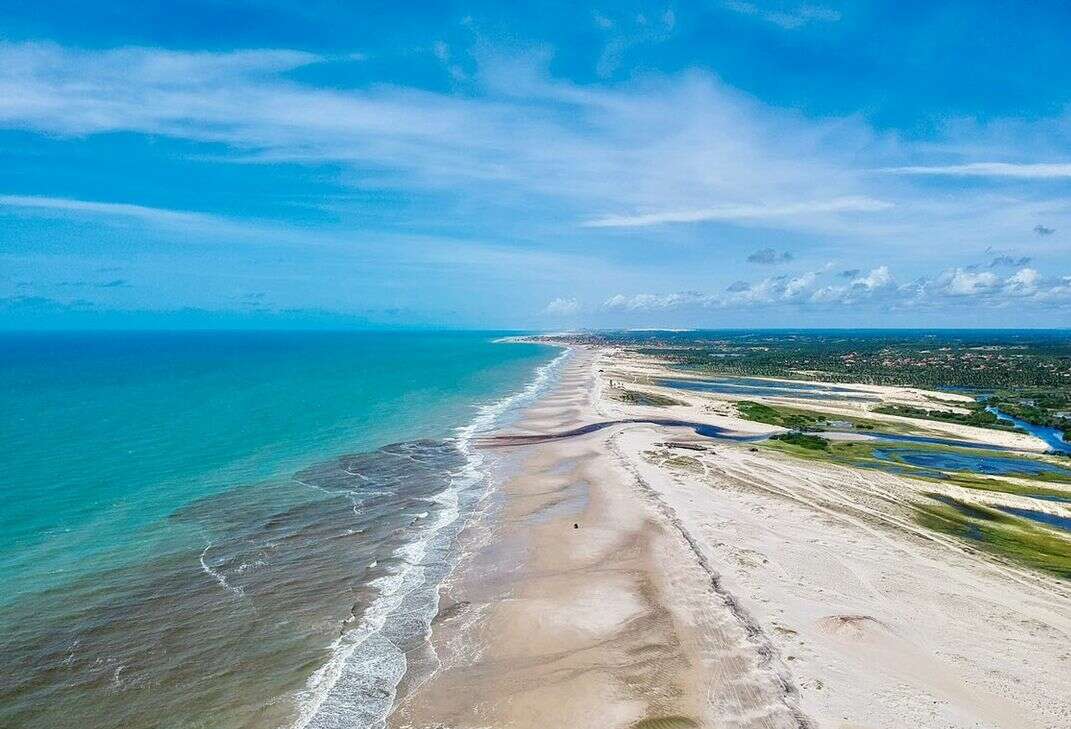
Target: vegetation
[
  {"x": 1001, "y": 485},
  {"x": 784, "y": 417},
  {"x": 813, "y": 421},
  {"x": 1051, "y": 408},
  {"x": 978, "y": 415},
  {"x": 803, "y": 440},
  {"x": 861, "y": 455},
  {"x": 999, "y": 533},
  {"x": 650, "y": 399},
  {"x": 1027, "y": 374}
]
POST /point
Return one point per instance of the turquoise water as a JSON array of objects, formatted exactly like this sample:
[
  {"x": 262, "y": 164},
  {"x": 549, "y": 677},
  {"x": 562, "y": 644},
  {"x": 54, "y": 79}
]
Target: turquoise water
[
  {"x": 105, "y": 434},
  {"x": 176, "y": 504}
]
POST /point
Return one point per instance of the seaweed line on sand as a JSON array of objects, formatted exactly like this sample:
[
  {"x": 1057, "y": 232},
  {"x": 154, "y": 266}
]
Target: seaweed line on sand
[{"x": 769, "y": 657}]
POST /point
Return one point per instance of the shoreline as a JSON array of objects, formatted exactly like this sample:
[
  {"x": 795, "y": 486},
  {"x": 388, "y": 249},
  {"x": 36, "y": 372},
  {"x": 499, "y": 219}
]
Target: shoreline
[
  {"x": 378, "y": 684},
  {"x": 623, "y": 578}
]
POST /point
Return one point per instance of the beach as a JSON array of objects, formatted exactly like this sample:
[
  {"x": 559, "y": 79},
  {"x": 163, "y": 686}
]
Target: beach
[{"x": 641, "y": 575}]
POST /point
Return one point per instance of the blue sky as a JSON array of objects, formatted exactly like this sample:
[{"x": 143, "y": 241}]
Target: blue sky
[{"x": 725, "y": 163}]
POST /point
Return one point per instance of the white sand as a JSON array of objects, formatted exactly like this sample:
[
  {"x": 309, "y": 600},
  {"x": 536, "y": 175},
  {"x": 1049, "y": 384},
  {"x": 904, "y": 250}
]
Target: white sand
[{"x": 736, "y": 588}]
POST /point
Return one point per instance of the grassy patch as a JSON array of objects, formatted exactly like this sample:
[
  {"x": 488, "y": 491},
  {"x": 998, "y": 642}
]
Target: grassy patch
[
  {"x": 998, "y": 533},
  {"x": 784, "y": 417},
  {"x": 803, "y": 440},
  {"x": 978, "y": 416},
  {"x": 811, "y": 420},
  {"x": 1000, "y": 485},
  {"x": 861, "y": 454},
  {"x": 649, "y": 399},
  {"x": 666, "y": 722},
  {"x": 848, "y": 454}
]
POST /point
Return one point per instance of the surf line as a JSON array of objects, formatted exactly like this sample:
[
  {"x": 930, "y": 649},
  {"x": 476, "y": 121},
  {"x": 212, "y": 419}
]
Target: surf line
[{"x": 218, "y": 576}]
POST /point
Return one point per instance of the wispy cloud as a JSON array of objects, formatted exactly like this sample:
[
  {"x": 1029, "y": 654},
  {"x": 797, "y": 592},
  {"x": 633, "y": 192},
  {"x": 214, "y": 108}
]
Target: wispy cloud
[
  {"x": 89, "y": 207},
  {"x": 562, "y": 307},
  {"x": 679, "y": 149},
  {"x": 769, "y": 257},
  {"x": 1036, "y": 171},
  {"x": 1004, "y": 260},
  {"x": 787, "y": 15},
  {"x": 732, "y": 213},
  {"x": 641, "y": 161}
]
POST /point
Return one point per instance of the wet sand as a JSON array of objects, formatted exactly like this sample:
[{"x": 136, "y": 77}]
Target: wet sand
[{"x": 622, "y": 577}]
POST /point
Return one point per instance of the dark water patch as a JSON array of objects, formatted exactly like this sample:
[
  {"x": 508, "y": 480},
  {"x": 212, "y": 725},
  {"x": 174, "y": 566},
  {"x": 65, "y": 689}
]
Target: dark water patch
[
  {"x": 933, "y": 440},
  {"x": 769, "y": 388},
  {"x": 1051, "y": 497},
  {"x": 998, "y": 532},
  {"x": 988, "y": 465},
  {"x": 704, "y": 429},
  {"x": 238, "y": 608},
  {"x": 778, "y": 384},
  {"x": 974, "y": 512},
  {"x": 1051, "y": 436},
  {"x": 901, "y": 470},
  {"x": 1040, "y": 517}
]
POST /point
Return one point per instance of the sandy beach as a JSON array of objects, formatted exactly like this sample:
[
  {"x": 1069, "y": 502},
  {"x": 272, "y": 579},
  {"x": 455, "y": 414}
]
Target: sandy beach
[{"x": 643, "y": 576}]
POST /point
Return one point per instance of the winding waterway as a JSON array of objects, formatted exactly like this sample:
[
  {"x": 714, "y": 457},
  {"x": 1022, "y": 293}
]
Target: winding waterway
[{"x": 1052, "y": 437}]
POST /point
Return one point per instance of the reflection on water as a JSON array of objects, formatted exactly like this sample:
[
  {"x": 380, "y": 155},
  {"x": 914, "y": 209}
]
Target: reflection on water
[
  {"x": 1052, "y": 437},
  {"x": 971, "y": 463},
  {"x": 750, "y": 386},
  {"x": 933, "y": 440},
  {"x": 1041, "y": 517}
]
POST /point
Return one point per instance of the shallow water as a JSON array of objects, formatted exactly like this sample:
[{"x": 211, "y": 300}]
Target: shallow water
[
  {"x": 1040, "y": 517},
  {"x": 989, "y": 465},
  {"x": 1052, "y": 437},
  {"x": 203, "y": 533},
  {"x": 217, "y": 629},
  {"x": 748, "y": 386},
  {"x": 933, "y": 440}
]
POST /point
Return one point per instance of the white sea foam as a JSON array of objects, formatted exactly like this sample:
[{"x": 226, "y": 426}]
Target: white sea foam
[
  {"x": 353, "y": 690},
  {"x": 218, "y": 576}
]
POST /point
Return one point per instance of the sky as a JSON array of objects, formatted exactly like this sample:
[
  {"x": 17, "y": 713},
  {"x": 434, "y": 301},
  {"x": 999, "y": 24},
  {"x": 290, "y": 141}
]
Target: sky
[{"x": 727, "y": 163}]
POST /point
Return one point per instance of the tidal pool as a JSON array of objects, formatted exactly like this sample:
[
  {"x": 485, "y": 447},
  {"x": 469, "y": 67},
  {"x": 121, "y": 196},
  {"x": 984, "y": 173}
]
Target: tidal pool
[
  {"x": 970, "y": 463},
  {"x": 755, "y": 387},
  {"x": 1040, "y": 517}
]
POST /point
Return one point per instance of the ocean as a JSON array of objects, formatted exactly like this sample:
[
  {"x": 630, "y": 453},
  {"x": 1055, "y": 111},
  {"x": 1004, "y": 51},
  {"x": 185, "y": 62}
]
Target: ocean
[{"x": 240, "y": 529}]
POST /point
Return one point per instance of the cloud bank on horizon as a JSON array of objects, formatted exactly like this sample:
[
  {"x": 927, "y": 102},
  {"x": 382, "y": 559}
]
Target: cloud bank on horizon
[{"x": 485, "y": 167}]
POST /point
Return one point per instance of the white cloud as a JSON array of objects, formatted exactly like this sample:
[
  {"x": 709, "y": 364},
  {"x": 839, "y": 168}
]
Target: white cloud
[
  {"x": 562, "y": 307},
  {"x": 798, "y": 285},
  {"x": 652, "y": 302},
  {"x": 733, "y": 213},
  {"x": 787, "y": 15},
  {"x": 1023, "y": 282},
  {"x": 879, "y": 277},
  {"x": 122, "y": 210},
  {"x": 878, "y": 287},
  {"x": 967, "y": 283},
  {"x": 650, "y": 153},
  {"x": 1040, "y": 171},
  {"x": 678, "y": 149}
]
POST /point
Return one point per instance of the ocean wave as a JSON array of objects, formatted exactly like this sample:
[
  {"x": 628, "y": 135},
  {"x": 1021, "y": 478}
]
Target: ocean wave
[{"x": 348, "y": 692}]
